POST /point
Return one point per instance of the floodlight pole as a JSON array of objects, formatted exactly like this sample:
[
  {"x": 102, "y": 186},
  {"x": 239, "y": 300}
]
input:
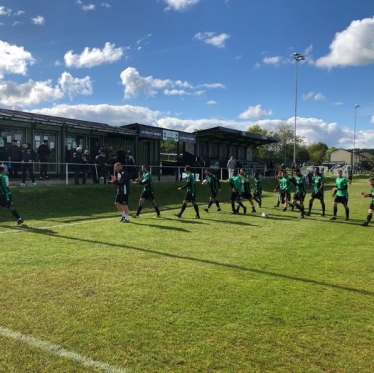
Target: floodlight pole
[
  {"x": 354, "y": 140},
  {"x": 298, "y": 57}
]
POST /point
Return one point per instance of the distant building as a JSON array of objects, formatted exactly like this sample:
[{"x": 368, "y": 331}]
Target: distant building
[{"x": 347, "y": 156}]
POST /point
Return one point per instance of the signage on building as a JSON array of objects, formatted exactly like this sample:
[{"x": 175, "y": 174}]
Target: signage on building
[
  {"x": 170, "y": 135},
  {"x": 151, "y": 132}
]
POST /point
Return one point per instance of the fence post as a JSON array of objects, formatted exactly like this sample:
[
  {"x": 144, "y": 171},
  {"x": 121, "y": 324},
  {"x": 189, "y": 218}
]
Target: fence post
[{"x": 67, "y": 173}]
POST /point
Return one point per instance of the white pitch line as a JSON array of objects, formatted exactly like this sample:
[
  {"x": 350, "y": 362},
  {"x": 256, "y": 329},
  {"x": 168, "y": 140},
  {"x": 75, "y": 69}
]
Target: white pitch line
[{"x": 60, "y": 351}]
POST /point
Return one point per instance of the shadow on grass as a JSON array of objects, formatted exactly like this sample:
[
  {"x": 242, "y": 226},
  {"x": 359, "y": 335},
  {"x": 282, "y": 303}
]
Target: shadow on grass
[{"x": 189, "y": 258}]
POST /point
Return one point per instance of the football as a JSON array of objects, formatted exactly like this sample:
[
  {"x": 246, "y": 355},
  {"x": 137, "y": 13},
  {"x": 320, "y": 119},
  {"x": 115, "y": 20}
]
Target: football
[
  {"x": 205, "y": 182},
  {"x": 265, "y": 215}
]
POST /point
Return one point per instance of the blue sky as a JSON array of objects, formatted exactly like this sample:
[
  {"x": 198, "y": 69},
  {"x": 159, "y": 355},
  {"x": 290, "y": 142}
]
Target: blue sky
[{"x": 194, "y": 64}]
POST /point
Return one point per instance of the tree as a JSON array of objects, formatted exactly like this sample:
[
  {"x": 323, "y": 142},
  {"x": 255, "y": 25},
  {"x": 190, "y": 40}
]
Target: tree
[
  {"x": 317, "y": 152},
  {"x": 168, "y": 146},
  {"x": 302, "y": 154},
  {"x": 256, "y": 128}
]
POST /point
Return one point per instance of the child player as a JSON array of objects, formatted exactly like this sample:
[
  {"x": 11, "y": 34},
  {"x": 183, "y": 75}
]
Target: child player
[{"x": 371, "y": 207}]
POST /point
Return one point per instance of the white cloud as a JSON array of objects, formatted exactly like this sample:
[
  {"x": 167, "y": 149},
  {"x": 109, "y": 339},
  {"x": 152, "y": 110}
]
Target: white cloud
[
  {"x": 88, "y": 7},
  {"x": 254, "y": 112},
  {"x": 136, "y": 85},
  {"x": 39, "y": 20},
  {"x": 75, "y": 86},
  {"x": 14, "y": 59},
  {"x": 180, "y": 5},
  {"x": 94, "y": 57},
  {"x": 319, "y": 97},
  {"x": 211, "y": 102},
  {"x": 213, "y": 85},
  {"x": 314, "y": 96},
  {"x": 142, "y": 41},
  {"x": 212, "y": 38},
  {"x": 175, "y": 92},
  {"x": 106, "y": 5},
  {"x": 352, "y": 47},
  {"x": 36, "y": 92},
  {"x": 5, "y": 11},
  {"x": 276, "y": 60},
  {"x": 29, "y": 93}
]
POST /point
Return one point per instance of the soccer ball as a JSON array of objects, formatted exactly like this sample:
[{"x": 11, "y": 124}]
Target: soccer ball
[
  {"x": 265, "y": 215},
  {"x": 205, "y": 182}
]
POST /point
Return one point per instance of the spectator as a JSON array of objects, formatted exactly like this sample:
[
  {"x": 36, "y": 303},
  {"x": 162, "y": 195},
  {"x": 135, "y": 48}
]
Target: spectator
[
  {"x": 14, "y": 156},
  {"x": 231, "y": 167},
  {"x": 121, "y": 156},
  {"x": 309, "y": 177},
  {"x": 43, "y": 153},
  {"x": 130, "y": 165},
  {"x": 28, "y": 158},
  {"x": 112, "y": 160},
  {"x": 100, "y": 166},
  {"x": 78, "y": 160},
  {"x": 238, "y": 165},
  {"x": 86, "y": 161}
]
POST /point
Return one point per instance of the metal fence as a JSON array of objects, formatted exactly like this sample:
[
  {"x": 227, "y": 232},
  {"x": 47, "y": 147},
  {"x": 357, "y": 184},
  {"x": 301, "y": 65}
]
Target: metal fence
[{"x": 69, "y": 173}]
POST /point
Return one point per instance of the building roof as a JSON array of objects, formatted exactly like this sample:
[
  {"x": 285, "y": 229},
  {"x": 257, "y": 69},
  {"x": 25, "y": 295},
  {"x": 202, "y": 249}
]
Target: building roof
[
  {"x": 233, "y": 137},
  {"x": 22, "y": 116}
]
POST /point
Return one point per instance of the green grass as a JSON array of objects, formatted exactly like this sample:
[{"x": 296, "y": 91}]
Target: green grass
[{"x": 221, "y": 294}]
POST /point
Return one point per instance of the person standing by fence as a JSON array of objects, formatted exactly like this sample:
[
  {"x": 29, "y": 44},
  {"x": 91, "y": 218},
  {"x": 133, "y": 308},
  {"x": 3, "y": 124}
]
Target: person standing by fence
[
  {"x": 14, "y": 157},
  {"x": 43, "y": 153},
  {"x": 28, "y": 158},
  {"x": 231, "y": 164}
]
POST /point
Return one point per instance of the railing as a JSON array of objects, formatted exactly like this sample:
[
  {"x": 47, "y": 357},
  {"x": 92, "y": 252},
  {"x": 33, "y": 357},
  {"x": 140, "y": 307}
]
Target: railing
[{"x": 68, "y": 173}]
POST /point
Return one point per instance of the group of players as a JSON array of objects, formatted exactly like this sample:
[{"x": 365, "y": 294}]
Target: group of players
[{"x": 240, "y": 191}]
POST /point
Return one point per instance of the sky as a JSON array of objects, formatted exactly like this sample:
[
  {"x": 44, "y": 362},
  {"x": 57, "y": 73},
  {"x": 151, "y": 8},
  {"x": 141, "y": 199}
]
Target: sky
[{"x": 195, "y": 64}]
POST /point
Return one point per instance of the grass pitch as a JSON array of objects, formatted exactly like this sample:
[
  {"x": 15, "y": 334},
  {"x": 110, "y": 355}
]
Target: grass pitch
[{"x": 82, "y": 292}]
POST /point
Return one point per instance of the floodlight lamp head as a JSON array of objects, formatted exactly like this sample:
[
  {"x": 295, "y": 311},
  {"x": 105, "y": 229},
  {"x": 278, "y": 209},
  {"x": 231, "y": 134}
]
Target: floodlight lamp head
[{"x": 356, "y": 106}]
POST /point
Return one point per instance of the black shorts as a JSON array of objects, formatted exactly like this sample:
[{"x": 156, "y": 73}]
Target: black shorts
[
  {"x": 246, "y": 195},
  {"x": 371, "y": 207},
  {"x": 189, "y": 197},
  {"x": 341, "y": 199},
  {"x": 299, "y": 196},
  {"x": 6, "y": 203},
  {"x": 235, "y": 196},
  {"x": 317, "y": 195},
  {"x": 284, "y": 195},
  {"x": 122, "y": 199},
  {"x": 146, "y": 194},
  {"x": 213, "y": 193}
]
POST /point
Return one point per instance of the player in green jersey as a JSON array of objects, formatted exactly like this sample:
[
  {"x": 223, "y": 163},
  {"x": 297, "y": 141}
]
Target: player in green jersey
[
  {"x": 299, "y": 196},
  {"x": 318, "y": 185},
  {"x": 214, "y": 186},
  {"x": 340, "y": 194},
  {"x": 237, "y": 187},
  {"x": 190, "y": 193},
  {"x": 279, "y": 177},
  {"x": 257, "y": 193},
  {"x": 246, "y": 193},
  {"x": 371, "y": 207},
  {"x": 285, "y": 186},
  {"x": 147, "y": 192},
  {"x": 6, "y": 195}
]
